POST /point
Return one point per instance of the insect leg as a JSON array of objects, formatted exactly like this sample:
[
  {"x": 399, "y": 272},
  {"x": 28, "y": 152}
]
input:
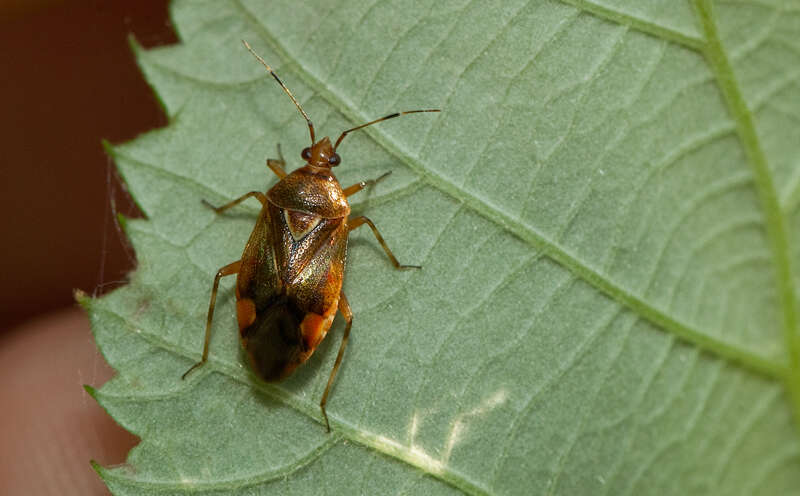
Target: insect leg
[
  {"x": 344, "y": 307},
  {"x": 231, "y": 268},
  {"x": 357, "y": 221},
  {"x": 276, "y": 165},
  {"x": 257, "y": 194},
  {"x": 351, "y": 190}
]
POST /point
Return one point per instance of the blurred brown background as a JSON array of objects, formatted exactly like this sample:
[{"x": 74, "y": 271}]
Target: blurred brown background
[{"x": 68, "y": 80}]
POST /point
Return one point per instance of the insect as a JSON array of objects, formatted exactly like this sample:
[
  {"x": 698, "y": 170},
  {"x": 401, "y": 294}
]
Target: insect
[{"x": 289, "y": 279}]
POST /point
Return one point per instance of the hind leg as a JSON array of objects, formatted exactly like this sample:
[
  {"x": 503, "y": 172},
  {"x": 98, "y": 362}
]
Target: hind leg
[
  {"x": 231, "y": 268},
  {"x": 344, "y": 307}
]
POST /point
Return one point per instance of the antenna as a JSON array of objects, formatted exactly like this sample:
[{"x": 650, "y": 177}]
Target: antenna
[
  {"x": 390, "y": 116},
  {"x": 310, "y": 124}
]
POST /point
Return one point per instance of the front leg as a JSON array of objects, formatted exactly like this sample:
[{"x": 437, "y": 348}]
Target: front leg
[
  {"x": 356, "y": 222},
  {"x": 351, "y": 190},
  {"x": 256, "y": 194},
  {"x": 277, "y": 165}
]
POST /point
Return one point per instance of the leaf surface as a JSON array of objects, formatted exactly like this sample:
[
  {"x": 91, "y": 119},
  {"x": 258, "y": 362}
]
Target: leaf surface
[{"x": 605, "y": 211}]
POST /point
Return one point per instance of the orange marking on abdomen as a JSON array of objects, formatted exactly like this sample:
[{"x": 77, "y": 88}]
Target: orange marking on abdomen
[
  {"x": 315, "y": 327},
  {"x": 245, "y": 312},
  {"x": 312, "y": 330}
]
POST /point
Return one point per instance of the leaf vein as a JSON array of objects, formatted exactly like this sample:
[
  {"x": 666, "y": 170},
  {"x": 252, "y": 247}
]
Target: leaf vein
[{"x": 637, "y": 23}]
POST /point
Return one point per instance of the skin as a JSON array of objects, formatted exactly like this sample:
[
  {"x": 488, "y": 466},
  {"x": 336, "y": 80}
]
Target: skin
[{"x": 50, "y": 426}]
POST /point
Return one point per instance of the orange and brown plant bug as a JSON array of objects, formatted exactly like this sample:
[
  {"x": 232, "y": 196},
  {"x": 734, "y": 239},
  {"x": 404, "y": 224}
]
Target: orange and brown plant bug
[{"x": 289, "y": 279}]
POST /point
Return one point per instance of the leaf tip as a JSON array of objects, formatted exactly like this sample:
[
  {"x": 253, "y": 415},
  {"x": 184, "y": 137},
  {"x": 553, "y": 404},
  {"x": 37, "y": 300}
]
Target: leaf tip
[
  {"x": 108, "y": 147},
  {"x": 134, "y": 45},
  {"x": 99, "y": 469},
  {"x": 91, "y": 391},
  {"x": 123, "y": 222},
  {"x": 82, "y": 298}
]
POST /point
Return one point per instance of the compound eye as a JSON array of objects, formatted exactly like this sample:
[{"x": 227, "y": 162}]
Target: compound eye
[
  {"x": 306, "y": 153},
  {"x": 334, "y": 160}
]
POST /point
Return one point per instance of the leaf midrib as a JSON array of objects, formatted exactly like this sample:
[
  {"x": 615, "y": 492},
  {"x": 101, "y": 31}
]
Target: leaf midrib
[{"x": 774, "y": 220}]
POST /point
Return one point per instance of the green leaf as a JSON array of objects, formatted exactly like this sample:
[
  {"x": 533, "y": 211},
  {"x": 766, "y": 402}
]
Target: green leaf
[{"x": 605, "y": 211}]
